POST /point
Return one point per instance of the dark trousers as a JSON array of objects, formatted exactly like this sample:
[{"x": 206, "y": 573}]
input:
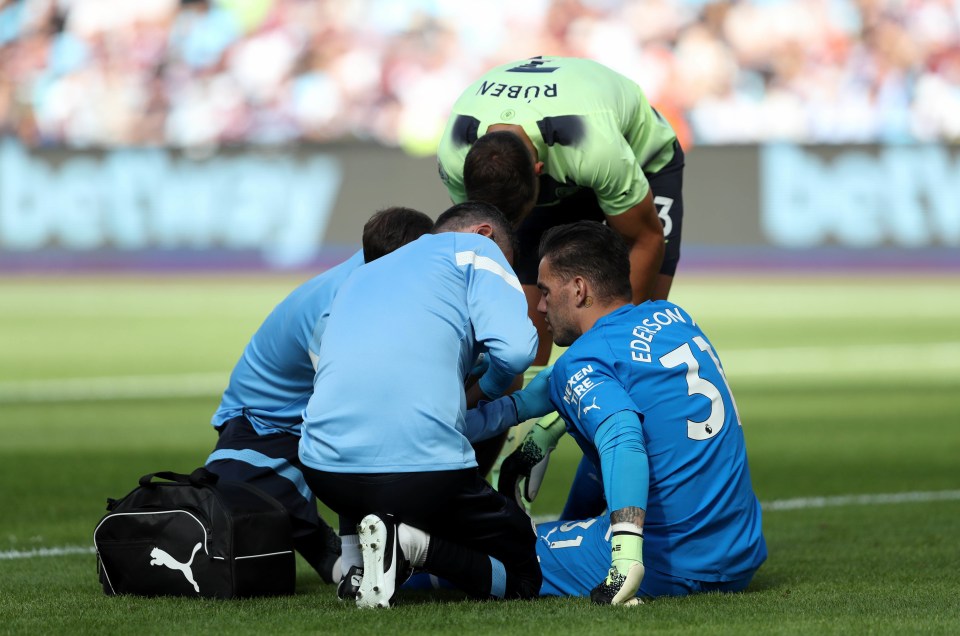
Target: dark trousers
[
  {"x": 272, "y": 464},
  {"x": 468, "y": 521}
]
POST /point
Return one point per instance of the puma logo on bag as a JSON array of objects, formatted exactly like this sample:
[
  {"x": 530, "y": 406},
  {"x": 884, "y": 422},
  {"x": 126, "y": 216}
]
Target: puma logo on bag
[{"x": 161, "y": 557}]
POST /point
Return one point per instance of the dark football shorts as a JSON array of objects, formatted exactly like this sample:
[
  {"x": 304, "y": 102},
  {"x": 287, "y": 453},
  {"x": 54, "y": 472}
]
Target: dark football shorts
[{"x": 667, "y": 188}]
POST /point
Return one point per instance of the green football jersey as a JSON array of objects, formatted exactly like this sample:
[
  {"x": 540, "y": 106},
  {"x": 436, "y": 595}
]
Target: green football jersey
[{"x": 592, "y": 128}]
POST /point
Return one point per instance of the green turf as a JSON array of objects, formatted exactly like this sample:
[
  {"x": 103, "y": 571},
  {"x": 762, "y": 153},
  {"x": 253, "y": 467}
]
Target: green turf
[{"x": 845, "y": 387}]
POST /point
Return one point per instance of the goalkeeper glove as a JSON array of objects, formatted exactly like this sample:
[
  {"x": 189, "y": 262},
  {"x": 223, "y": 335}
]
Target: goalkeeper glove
[
  {"x": 530, "y": 459},
  {"x": 626, "y": 570}
]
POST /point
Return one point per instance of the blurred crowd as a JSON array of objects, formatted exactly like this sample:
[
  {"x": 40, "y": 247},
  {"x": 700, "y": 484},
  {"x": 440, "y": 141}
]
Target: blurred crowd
[{"x": 207, "y": 73}]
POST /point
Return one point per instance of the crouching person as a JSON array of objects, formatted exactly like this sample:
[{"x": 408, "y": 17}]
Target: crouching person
[
  {"x": 259, "y": 418},
  {"x": 386, "y": 436}
]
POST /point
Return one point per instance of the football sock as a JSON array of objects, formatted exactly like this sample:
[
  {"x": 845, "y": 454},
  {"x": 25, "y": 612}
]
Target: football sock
[
  {"x": 350, "y": 544},
  {"x": 415, "y": 544},
  {"x": 322, "y": 555},
  {"x": 468, "y": 570}
]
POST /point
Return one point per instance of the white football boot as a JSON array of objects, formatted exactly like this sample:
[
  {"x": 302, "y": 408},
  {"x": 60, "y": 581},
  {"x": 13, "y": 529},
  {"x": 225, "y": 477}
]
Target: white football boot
[{"x": 382, "y": 562}]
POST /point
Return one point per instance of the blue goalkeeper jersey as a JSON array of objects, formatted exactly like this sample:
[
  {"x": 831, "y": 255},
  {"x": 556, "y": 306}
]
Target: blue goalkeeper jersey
[
  {"x": 702, "y": 517},
  {"x": 404, "y": 331},
  {"x": 273, "y": 379}
]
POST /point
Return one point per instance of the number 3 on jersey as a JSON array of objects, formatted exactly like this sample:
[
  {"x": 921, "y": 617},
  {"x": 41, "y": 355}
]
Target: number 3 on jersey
[{"x": 697, "y": 385}]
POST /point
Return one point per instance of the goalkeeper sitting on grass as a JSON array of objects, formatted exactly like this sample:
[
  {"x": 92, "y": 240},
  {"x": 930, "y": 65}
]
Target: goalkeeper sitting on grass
[{"x": 643, "y": 394}]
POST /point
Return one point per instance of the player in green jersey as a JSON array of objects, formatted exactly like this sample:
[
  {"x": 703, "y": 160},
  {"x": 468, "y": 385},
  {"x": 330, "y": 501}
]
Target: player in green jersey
[{"x": 554, "y": 140}]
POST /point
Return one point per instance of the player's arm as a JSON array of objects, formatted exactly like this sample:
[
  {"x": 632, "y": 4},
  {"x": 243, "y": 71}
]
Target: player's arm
[
  {"x": 626, "y": 199},
  {"x": 489, "y": 419},
  {"x": 626, "y": 480},
  {"x": 498, "y": 312},
  {"x": 641, "y": 228},
  {"x": 475, "y": 393}
]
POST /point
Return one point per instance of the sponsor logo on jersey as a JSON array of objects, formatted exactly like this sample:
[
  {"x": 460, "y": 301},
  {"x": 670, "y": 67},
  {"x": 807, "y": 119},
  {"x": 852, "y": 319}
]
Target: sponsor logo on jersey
[
  {"x": 578, "y": 385},
  {"x": 535, "y": 65}
]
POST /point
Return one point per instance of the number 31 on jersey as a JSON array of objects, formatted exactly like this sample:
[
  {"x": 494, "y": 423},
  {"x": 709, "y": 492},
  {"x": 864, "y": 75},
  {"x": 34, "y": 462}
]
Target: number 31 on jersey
[{"x": 697, "y": 385}]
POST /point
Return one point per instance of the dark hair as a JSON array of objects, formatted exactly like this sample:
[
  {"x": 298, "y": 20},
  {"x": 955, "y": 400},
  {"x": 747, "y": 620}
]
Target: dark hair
[
  {"x": 468, "y": 213},
  {"x": 500, "y": 170},
  {"x": 391, "y": 228},
  {"x": 591, "y": 250}
]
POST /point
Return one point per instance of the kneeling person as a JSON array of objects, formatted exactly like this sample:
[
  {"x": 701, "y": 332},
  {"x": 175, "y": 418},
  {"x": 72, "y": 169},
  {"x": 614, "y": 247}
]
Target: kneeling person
[
  {"x": 386, "y": 436},
  {"x": 260, "y": 413}
]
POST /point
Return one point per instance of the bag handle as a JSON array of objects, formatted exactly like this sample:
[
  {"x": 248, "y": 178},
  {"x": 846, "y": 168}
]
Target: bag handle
[{"x": 199, "y": 477}]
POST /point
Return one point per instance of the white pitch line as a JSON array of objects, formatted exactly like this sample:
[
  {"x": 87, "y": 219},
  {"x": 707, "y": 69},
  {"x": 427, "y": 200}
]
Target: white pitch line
[
  {"x": 10, "y": 555},
  {"x": 804, "y": 503},
  {"x": 800, "y": 503}
]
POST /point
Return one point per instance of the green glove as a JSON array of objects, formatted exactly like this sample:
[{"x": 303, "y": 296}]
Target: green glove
[
  {"x": 626, "y": 569},
  {"x": 534, "y": 450}
]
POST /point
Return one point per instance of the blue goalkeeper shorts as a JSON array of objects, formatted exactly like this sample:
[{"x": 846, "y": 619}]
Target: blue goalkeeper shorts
[{"x": 575, "y": 557}]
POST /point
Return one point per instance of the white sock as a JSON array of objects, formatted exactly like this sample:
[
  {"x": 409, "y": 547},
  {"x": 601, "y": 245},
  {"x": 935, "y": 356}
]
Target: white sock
[
  {"x": 350, "y": 555},
  {"x": 414, "y": 543}
]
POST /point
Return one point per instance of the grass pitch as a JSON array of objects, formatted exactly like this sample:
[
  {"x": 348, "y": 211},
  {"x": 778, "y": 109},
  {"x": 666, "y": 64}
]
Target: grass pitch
[{"x": 849, "y": 390}]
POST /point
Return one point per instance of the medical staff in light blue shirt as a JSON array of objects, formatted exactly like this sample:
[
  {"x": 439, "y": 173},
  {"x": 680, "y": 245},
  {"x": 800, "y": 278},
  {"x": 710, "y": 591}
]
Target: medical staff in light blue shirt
[
  {"x": 386, "y": 431},
  {"x": 459, "y": 290},
  {"x": 260, "y": 413}
]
